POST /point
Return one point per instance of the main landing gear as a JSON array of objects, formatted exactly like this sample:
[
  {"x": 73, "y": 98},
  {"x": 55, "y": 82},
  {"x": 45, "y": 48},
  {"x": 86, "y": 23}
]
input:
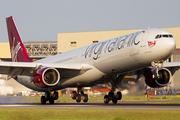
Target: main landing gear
[
  {"x": 113, "y": 97},
  {"x": 78, "y": 96},
  {"x": 49, "y": 97}
]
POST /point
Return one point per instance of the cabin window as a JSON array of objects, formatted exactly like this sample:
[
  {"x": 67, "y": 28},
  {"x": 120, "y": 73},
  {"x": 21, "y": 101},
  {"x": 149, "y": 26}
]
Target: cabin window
[
  {"x": 73, "y": 44},
  {"x": 95, "y": 41}
]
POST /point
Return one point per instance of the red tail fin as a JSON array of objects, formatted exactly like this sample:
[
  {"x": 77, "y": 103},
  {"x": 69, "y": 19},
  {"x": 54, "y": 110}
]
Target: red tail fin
[{"x": 18, "y": 51}]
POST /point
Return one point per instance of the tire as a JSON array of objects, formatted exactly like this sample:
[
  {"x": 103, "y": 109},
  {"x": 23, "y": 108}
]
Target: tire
[
  {"x": 78, "y": 98},
  {"x": 85, "y": 97},
  {"x": 47, "y": 95},
  {"x": 119, "y": 96},
  {"x": 74, "y": 93},
  {"x": 114, "y": 100},
  {"x": 43, "y": 100},
  {"x": 111, "y": 95},
  {"x": 55, "y": 95},
  {"x": 106, "y": 99},
  {"x": 82, "y": 92},
  {"x": 51, "y": 100}
]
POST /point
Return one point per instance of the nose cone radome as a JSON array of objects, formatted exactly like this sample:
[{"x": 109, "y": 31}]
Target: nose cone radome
[
  {"x": 168, "y": 45},
  {"x": 171, "y": 45}
]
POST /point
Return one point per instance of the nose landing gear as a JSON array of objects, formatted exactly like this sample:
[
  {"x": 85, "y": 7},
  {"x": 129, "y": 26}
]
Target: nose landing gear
[{"x": 157, "y": 65}]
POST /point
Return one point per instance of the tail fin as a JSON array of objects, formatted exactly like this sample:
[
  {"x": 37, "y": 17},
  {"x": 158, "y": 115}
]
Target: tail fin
[{"x": 18, "y": 51}]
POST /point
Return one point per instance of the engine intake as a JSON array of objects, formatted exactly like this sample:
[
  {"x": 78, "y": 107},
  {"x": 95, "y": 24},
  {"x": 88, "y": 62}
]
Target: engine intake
[
  {"x": 154, "y": 81},
  {"x": 46, "y": 77}
]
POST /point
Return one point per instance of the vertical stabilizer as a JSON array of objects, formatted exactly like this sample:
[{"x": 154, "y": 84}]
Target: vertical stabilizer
[{"x": 18, "y": 51}]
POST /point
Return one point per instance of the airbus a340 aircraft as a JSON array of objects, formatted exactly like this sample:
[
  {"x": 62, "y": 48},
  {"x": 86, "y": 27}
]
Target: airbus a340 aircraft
[{"x": 139, "y": 53}]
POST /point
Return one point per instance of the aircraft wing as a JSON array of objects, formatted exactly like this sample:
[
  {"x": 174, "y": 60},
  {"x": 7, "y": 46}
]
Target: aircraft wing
[
  {"x": 28, "y": 68},
  {"x": 172, "y": 66}
]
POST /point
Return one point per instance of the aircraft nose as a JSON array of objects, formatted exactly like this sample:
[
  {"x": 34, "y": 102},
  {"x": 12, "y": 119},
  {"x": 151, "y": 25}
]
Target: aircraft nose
[
  {"x": 171, "y": 44},
  {"x": 166, "y": 47}
]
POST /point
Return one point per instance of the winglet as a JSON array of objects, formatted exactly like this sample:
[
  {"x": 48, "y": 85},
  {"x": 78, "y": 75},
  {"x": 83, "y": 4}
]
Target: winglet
[{"x": 18, "y": 51}]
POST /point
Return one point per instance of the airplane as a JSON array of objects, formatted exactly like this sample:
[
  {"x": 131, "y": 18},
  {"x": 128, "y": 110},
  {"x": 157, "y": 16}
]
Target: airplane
[{"x": 140, "y": 53}]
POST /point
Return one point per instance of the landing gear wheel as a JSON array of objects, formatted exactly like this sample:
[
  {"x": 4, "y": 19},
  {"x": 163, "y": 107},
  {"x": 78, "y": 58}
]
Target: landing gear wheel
[
  {"x": 43, "y": 100},
  {"x": 47, "y": 95},
  {"x": 74, "y": 93},
  {"x": 114, "y": 100},
  {"x": 106, "y": 99},
  {"x": 55, "y": 95},
  {"x": 85, "y": 97},
  {"x": 82, "y": 92},
  {"x": 119, "y": 96},
  {"x": 111, "y": 95},
  {"x": 51, "y": 100},
  {"x": 78, "y": 98}
]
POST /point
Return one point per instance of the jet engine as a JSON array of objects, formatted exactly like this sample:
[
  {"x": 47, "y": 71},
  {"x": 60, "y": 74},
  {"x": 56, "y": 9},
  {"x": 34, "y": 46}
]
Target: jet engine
[
  {"x": 46, "y": 77},
  {"x": 154, "y": 80}
]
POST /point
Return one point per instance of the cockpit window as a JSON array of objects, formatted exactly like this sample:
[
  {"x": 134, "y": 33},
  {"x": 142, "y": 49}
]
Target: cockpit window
[
  {"x": 170, "y": 36},
  {"x": 156, "y": 36},
  {"x": 164, "y": 36}
]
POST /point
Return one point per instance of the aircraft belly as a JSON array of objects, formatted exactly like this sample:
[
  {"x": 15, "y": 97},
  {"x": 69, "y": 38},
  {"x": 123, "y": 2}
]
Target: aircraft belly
[{"x": 88, "y": 77}]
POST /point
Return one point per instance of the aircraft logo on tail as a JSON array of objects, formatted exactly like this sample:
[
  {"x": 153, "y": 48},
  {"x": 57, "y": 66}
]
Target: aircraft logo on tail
[
  {"x": 151, "y": 44},
  {"x": 15, "y": 50}
]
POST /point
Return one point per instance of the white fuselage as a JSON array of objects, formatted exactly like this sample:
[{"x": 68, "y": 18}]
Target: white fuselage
[{"x": 122, "y": 54}]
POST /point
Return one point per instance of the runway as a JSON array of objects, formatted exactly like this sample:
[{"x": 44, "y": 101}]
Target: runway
[
  {"x": 21, "y": 102},
  {"x": 95, "y": 105}
]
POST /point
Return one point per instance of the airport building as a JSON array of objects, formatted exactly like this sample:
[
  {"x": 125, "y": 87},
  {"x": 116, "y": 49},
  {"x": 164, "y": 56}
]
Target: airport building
[
  {"x": 35, "y": 50},
  {"x": 70, "y": 41}
]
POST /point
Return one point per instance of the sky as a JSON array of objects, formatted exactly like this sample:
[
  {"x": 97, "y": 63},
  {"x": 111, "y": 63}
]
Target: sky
[{"x": 41, "y": 20}]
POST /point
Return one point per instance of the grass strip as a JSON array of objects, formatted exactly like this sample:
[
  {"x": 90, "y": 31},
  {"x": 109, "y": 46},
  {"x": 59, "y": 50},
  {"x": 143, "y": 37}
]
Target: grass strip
[{"x": 81, "y": 114}]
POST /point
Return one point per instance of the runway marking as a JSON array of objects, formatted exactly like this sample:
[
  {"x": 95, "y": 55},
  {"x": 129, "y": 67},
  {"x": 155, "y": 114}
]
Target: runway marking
[
  {"x": 15, "y": 105},
  {"x": 92, "y": 106},
  {"x": 19, "y": 105}
]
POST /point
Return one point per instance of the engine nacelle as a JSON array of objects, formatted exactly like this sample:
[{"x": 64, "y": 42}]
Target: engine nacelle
[
  {"x": 154, "y": 81},
  {"x": 46, "y": 77}
]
